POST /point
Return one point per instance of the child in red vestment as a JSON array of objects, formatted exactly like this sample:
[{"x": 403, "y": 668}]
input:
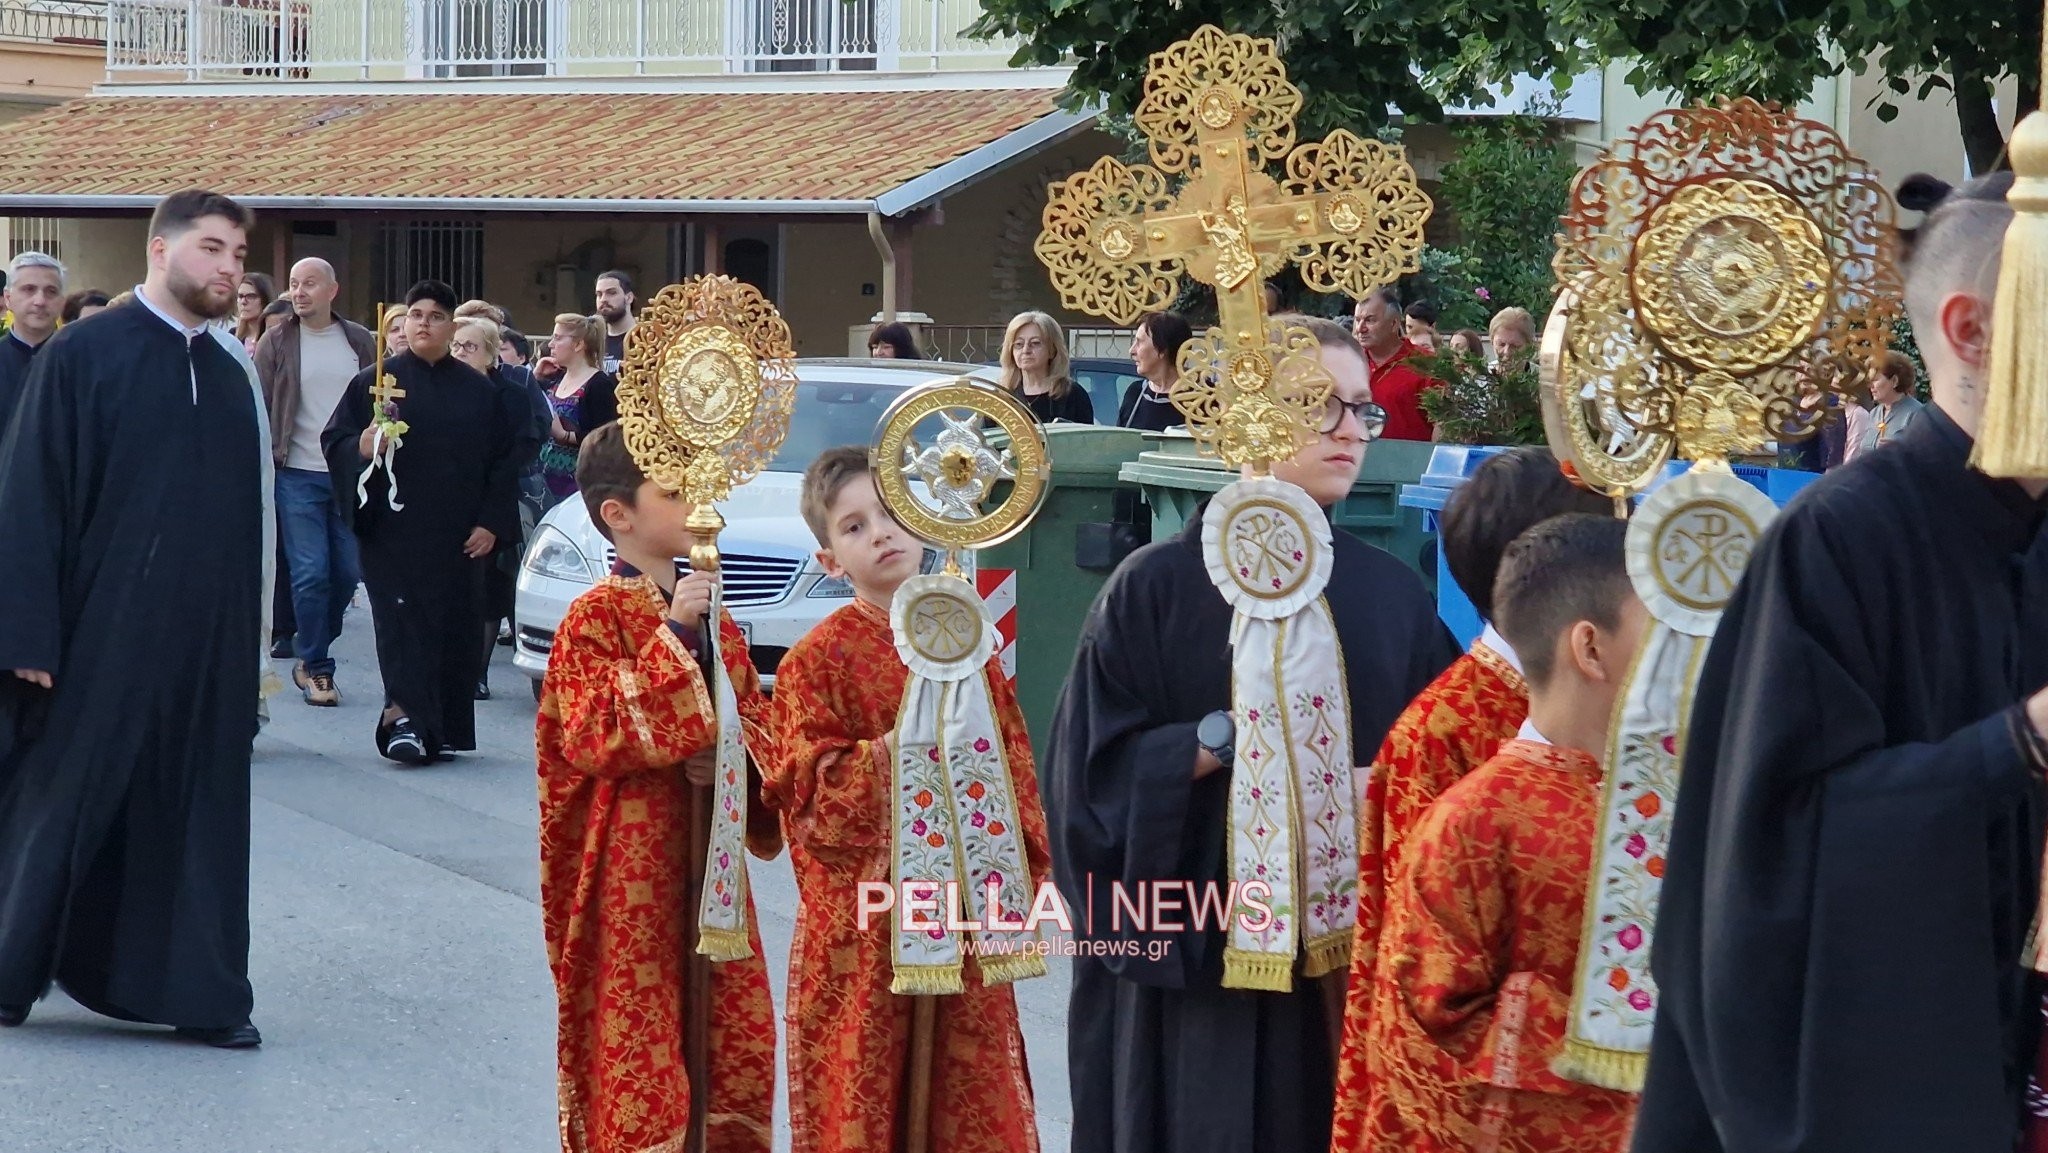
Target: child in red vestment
[
  {"x": 627, "y": 725},
  {"x": 1480, "y": 947},
  {"x": 1451, "y": 728},
  {"x": 837, "y": 698}
]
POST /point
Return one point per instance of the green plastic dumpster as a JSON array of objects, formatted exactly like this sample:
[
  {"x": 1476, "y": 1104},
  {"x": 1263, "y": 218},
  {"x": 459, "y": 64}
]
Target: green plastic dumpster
[
  {"x": 1057, "y": 565},
  {"x": 1176, "y": 478}
]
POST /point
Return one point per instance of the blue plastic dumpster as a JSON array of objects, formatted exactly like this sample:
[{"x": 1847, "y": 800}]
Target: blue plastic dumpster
[{"x": 1450, "y": 464}]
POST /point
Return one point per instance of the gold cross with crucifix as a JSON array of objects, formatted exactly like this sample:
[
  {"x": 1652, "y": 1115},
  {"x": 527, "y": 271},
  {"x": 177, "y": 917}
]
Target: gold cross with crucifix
[{"x": 1218, "y": 107}]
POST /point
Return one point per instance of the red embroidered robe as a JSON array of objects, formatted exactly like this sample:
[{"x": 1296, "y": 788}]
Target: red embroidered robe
[
  {"x": 837, "y": 695},
  {"x": 1477, "y": 961},
  {"x": 624, "y": 704},
  {"x": 1457, "y": 723}
]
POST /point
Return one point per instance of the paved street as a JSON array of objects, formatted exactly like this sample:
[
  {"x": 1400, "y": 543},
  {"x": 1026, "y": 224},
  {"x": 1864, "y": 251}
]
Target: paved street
[{"x": 401, "y": 983}]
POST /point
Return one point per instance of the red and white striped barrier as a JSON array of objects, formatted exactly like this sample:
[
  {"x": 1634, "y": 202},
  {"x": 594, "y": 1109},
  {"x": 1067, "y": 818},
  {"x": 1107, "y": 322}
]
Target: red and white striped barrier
[{"x": 998, "y": 588}]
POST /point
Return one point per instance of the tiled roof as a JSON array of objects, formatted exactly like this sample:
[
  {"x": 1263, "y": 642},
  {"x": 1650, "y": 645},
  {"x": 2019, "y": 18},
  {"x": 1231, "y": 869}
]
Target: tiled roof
[{"x": 672, "y": 148}]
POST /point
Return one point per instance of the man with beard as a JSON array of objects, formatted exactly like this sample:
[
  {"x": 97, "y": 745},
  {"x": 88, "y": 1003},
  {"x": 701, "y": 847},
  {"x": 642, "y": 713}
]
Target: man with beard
[
  {"x": 423, "y": 544},
  {"x": 34, "y": 295},
  {"x": 132, "y": 593},
  {"x": 615, "y": 306}
]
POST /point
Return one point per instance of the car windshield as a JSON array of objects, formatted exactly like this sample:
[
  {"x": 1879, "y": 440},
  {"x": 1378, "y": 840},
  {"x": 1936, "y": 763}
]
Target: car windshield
[{"x": 832, "y": 413}]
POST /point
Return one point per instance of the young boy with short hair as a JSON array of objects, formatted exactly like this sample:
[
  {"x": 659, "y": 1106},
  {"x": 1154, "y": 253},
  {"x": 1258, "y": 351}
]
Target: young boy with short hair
[
  {"x": 837, "y": 697},
  {"x": 1458, "y": 722},
  {"x": 627, "y": 725},
  {"x": 1484, "y": 914}
]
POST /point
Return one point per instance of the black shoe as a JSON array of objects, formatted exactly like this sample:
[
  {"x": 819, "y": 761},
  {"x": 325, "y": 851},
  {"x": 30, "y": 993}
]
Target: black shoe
[
  {"x": 281, "y": 648},
  {"x": 483, "y": 690},
  {"x": 13, "y": 1015},
  {"x": 242, "y": 1036},
  {"x": 504, "y": 634},
  {"x": 403, "y": 744}
]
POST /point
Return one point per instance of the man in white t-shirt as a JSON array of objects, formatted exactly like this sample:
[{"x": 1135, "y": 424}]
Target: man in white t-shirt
[{"x": 305, "y": 365}]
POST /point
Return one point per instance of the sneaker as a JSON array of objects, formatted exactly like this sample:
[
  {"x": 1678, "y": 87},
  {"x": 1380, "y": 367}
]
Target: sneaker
[
  {"x": 319, "y": 690},
  {"x": 483, "y": 690},
  {"x": 404, "y": 745},
  {"x": 504, "y": 634},
  {"x": 299, "y": 677}
]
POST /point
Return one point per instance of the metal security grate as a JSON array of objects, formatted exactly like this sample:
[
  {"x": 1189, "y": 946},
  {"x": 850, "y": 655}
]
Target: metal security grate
[
  {"x": 448, "y": 251},
  {"x": 749, "y": 579}
]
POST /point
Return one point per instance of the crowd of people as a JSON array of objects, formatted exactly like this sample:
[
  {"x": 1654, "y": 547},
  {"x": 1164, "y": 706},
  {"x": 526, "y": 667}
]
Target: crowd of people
[{"x": 1843, "y": 950}]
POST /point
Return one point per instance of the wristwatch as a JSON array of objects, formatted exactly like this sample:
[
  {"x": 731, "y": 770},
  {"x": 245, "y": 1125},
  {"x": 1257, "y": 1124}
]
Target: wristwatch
[{"x": 1217, "y": 733}]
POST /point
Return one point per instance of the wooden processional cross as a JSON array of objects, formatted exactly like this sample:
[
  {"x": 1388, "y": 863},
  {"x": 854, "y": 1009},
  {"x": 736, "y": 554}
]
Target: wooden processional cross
[{"x": 1217, "y": 108}]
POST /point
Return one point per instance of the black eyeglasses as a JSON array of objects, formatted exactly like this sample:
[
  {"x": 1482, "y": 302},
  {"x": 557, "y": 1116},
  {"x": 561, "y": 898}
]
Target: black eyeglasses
[{"x": 1372, "y": 419}]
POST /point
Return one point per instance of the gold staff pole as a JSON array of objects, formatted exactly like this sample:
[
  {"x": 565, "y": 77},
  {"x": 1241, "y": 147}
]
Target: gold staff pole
[{"x": 704, "y": 402}]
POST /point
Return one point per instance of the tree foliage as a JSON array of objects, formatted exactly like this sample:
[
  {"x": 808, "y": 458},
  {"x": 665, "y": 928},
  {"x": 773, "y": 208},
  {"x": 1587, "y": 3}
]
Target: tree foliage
[{"x": 1504, "y": 190}]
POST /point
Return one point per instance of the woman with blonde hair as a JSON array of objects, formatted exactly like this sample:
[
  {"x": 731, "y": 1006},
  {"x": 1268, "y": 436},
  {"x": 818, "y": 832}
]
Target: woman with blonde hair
[
  {"x": 394, "y": 330},
  {"x": 583, "y": 394},
  {"x": 1035, "y": 369},
  {"x": 1512, "y": 332}
]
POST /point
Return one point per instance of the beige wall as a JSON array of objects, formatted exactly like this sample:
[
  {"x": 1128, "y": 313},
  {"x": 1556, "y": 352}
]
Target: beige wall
[{"x": 104, "y": 254}]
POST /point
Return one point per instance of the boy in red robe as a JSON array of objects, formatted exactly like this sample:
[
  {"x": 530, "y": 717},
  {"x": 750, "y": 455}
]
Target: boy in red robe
[
  {"x": 837, "y": 696},
  {"x": 1452, "y": 728},
  {"x": 1484, "y": 913},
  {"x": 626, "y": 727}
]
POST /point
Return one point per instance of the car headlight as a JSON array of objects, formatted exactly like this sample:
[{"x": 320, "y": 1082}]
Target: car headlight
[
  {"x": 553, "y": 554},
  {"x": 839, "y": 588}
]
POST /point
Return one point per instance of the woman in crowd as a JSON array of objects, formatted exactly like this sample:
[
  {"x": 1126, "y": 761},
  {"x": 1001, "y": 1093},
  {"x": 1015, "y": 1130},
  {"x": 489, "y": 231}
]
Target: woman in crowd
[
  {"x": 394, "y": 330},
  {"x": 1035, "y": 369},
  {"x": 1512, "y": 332},
  {"x": 82, "y": 304},
  {"x": 1892, "y": 377},
  {"x": 893, "y": 342},
  {"x": 1419, "y": 319},
  {"x": 571, "y": 371},
  {"x": 476, "y": 343},
  {"x": 1155, "y": 349},
  {"x": 252, "y": 296},
  {"x": 513, "y": 347},
  {"x": 1468, "y": 344}
]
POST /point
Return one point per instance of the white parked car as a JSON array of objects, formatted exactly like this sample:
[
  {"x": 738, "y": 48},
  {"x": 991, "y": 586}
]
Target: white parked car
[{"x": 773, "y": 585}]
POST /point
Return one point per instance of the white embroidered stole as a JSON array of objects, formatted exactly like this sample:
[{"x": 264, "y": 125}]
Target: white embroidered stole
[
  {"x": 722, "y": 911},
  {"x": 1295, "y": 793},
  {"x": 958, "y": 842},
  {"x": 1687, "y": 547}
]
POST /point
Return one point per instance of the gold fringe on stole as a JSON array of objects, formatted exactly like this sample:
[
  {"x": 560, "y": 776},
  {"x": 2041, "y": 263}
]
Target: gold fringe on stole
[
  {"x": 1623, "y": 1072},
  {"x": 927, "y": 980},
  {"x": 1003, "y": 968},
  {"x": 1328, "y": 953},
  {"x": 724, "y": 944},
  {"x": 1265, "y": 972},
  {"x": 2012, "y": 439}
]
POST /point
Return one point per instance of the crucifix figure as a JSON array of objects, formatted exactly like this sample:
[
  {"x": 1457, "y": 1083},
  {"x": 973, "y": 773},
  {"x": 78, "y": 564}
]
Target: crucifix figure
[{"x": 1217, "y": 108}]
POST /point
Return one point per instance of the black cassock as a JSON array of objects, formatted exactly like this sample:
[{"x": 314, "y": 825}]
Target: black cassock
[
  {"x": 132, "y": 570},
  {"x": 456, "y": 471},
  {"x": 1162, "y": 1058},
  {"x": 1858, "y": 836}
]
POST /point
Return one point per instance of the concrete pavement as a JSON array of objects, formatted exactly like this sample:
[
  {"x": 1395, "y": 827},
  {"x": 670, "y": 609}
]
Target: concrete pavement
[{"x": 401, "y": 982}]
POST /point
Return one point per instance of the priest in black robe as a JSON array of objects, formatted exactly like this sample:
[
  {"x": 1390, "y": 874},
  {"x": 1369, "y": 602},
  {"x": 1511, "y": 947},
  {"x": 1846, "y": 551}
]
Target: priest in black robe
[
  {"x": 1857, "y": 844},
  {"x": 34, "y": 296},
  {"x": 423, "y": 562},
  {"x": 132, "y": 591},
  {"x": 1162, "y": 1058}
]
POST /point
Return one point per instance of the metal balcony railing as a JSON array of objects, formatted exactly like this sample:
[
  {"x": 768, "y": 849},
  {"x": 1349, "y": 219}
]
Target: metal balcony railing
[
  {"x": 54, "y": 21},
  {"x": 385, "y": 39}
]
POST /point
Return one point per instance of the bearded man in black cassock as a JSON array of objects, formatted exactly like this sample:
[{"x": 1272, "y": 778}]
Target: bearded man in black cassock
[
  {"x": 1856, "y": 851},
  {"x": 425, "y": 546},
  {"x": 132, "y": 597},
  {"x": 1161, "y": 1057}
]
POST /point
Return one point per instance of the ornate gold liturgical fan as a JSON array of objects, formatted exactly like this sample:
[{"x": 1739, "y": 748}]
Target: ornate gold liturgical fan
[
  {"x": 704, "y": 401},
  {"x": 1218, "y": 107},
  {"x": 1712, "y": 260},
  {"x": 938, "y": 456}
]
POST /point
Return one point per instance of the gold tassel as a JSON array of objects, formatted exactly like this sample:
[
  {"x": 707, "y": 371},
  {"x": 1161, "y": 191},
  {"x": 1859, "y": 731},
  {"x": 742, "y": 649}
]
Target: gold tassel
[
  {"x": 1265, "y": 972},
  {"x": 724, "y": 944},
  {"x": 926, "y": 980},
  {"x": 1618, "y": 1069},
  {"x": 1005, "y": 968},
  {"x": 2012, "y": 439},
  {"x": 1328, "y": 953}
]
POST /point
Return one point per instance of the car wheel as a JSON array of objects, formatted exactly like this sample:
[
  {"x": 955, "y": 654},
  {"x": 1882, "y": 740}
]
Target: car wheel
[{"x": 537, "y": 683}]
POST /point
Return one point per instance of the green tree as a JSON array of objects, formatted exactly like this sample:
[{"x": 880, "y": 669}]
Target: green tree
[{"x": 1504, "y": 191}]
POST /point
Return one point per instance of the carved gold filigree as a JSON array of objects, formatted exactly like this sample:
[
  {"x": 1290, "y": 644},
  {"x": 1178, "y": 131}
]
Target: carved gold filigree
[
  {"x": 1714, "y": 259},
  {"x": 1217, "y": 108}
]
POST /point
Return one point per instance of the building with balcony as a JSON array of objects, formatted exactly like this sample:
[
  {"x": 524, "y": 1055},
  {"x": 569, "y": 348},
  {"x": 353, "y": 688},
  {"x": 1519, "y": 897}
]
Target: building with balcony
[{"x": 850, "y": 157}]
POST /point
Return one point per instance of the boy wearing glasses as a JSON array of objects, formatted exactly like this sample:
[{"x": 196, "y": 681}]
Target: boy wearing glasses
[{"x": 1137, "y": 789}]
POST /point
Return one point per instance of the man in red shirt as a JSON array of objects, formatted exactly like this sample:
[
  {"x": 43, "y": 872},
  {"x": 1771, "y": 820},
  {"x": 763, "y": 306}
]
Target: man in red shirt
[{"x": 1396, "y": 386}]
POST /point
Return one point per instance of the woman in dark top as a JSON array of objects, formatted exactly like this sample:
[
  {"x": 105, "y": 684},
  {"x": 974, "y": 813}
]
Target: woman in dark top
[
  {"x": 1035, "y": 369},
  {"x": 584, "y": 397},
  {"x": 1155, "y": 349},
  {"x": 893, "y": 342}
]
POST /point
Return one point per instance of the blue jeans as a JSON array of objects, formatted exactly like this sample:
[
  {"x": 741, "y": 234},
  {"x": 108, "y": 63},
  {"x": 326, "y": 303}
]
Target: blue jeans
[{"x": 321, "y": 553}]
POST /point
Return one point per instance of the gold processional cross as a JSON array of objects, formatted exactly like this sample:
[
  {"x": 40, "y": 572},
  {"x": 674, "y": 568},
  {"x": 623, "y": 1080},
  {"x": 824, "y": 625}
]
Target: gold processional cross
[{"x": 1218, "y": 107}]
